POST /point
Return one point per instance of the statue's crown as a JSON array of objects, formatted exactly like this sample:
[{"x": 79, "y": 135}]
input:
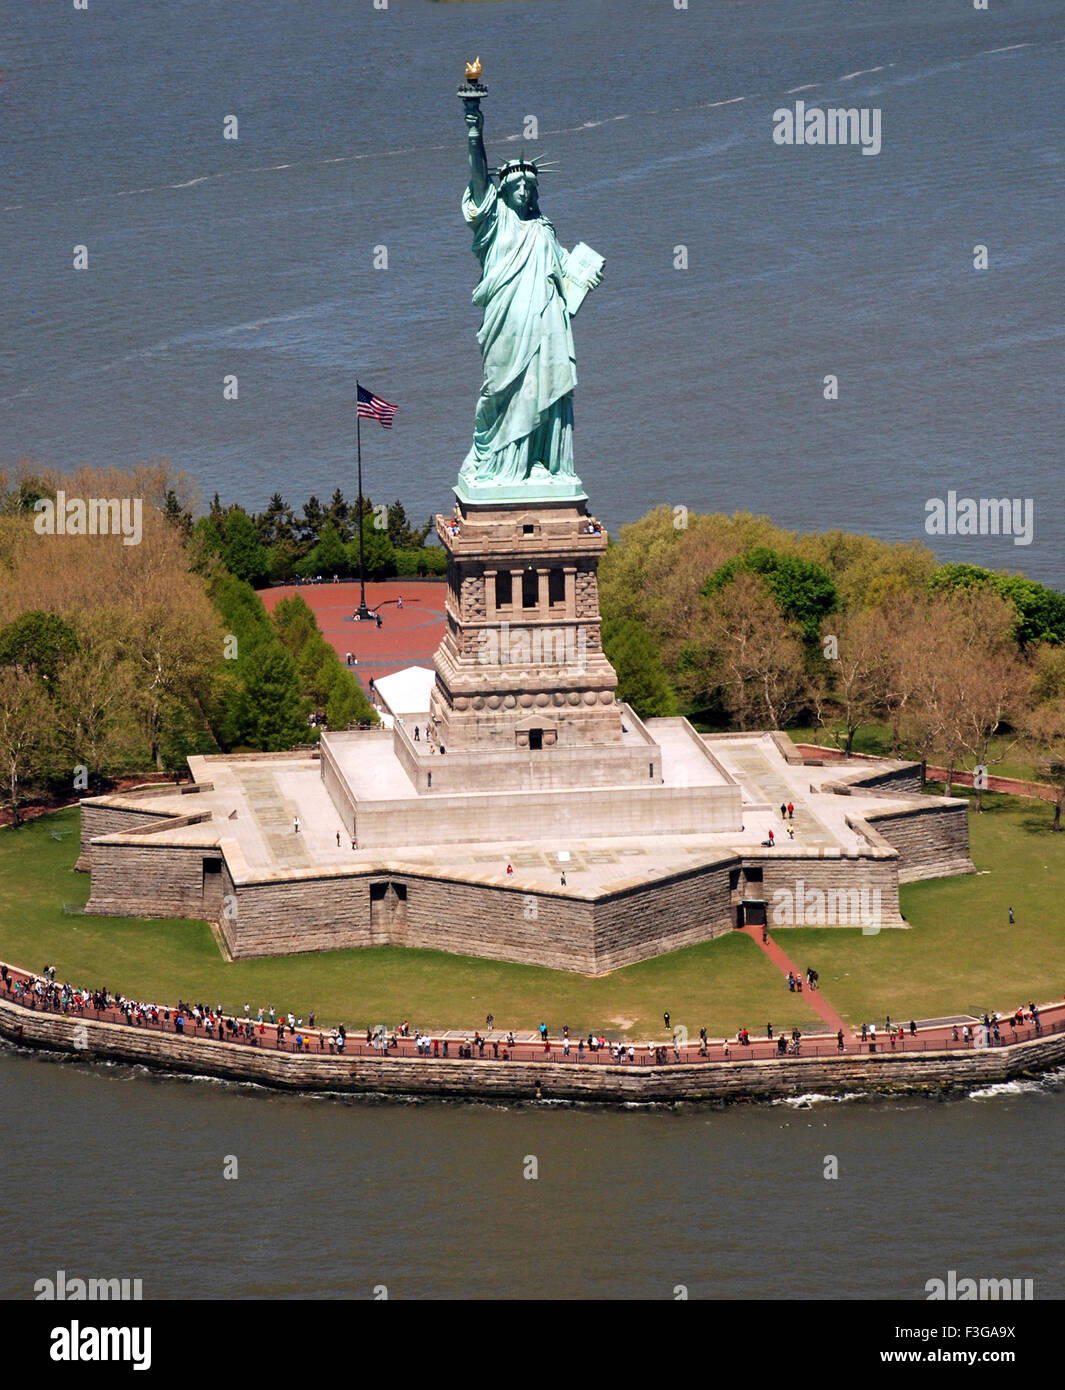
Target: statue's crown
[{"x": 509, "y": 167}]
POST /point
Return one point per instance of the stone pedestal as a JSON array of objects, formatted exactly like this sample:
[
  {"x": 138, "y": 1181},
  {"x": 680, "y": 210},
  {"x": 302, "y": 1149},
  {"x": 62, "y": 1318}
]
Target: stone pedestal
[{"x": 521, "y": 666}]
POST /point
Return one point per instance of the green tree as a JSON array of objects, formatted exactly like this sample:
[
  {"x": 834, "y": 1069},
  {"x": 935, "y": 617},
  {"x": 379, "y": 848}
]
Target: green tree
[
  {"x": 1040, "y": 611},
  {"x": 379, "y": 551},
  {"x": 804, "y": 591},
  {"x": 274, "y": 715},
  {"x": 338, "y": 515},
  {"x": 311, "y": 522},
  {"x": 242, "y": 550},
  {"x": 276, "y": 524},
  {"x": 27, "y": 737},
  {"x": 177, "y": 515},
  {"x": 330, "y": 556},
  {"x": 346, "y": 705},
  {"x": 400, "y": 532},
  {"x": 642, "y": 680},
  {"x": 39, "y": 643}
]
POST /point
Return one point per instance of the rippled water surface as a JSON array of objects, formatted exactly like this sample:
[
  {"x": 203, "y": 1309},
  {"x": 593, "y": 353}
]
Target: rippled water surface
[
  {"x": 121, "y": 1174},
  {"x": 699, "y": 387}
]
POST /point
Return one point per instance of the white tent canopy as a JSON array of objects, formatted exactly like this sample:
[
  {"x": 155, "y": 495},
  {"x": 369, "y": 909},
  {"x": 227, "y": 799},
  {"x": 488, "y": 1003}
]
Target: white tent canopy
[{"x": 404, "y": 692}]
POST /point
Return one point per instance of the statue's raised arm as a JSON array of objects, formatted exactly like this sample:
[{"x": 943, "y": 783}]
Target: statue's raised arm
[{"x": 478, "y": 158}]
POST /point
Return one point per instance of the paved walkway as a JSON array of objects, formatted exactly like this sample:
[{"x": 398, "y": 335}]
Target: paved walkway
[
  {"x": 936, "y": 1035},
  {"x": 408, "y": 636},
  {"x": 820, "y": 1005}
]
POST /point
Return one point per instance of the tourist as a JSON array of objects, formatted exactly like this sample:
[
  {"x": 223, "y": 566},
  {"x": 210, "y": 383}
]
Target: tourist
[
  {"x": 295, "y": 825},
  {"x": 543, "y": 1030},
  {"x": 769, "y": 1031},
  {"x": 913, "y": 1028},
  {"x": 417, "y": 734},
  {"x": 1012, "y": 919},
  {"x": 510, "y": 868},
  {"x": 791, "y": 811},
  {"x": 563, "y": 878},
  {"x": 839, "y": 1040},
  {"x": 338, "y": 839},
  {"x": 772, "y": 838},
  {"x": 665, "y": 1019},
  {"x": 399, "y": 601},
  {"x": 783, "y": 811}
]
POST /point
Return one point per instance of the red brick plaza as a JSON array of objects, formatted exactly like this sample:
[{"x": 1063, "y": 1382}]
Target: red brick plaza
[{"x": 408, "y": 636}]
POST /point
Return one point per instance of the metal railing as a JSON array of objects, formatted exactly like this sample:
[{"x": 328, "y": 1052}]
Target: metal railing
[{"x": 319, "y": 1042}]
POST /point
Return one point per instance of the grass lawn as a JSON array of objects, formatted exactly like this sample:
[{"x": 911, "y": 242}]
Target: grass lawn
[
  {"x": 721, "y": 985},
  {"x": 961, "y": 956}
]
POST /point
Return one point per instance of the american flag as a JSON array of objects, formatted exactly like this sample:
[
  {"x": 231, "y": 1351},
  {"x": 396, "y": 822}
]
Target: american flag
[{"x": 372, "y": 407}]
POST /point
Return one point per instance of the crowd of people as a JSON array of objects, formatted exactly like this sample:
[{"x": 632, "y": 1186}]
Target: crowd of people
[{"x": 286, "y": 1031}]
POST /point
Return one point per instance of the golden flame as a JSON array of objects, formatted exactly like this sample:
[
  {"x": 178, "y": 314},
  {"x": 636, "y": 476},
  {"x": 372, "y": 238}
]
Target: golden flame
[{"x": 473, "y": 70}]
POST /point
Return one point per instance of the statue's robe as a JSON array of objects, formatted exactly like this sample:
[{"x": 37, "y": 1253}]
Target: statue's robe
[{"x": 525, "y": 409}]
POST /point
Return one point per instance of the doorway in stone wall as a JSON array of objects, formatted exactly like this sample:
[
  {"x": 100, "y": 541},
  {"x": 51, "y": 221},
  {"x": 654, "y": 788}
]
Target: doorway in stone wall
[
  {"x": 388, "y": 912},
  {"x": 212, "y": 888}
]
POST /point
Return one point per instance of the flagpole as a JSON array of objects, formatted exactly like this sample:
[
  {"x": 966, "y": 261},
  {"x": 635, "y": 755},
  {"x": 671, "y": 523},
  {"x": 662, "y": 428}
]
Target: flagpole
[{"x": 362, "y": 613}]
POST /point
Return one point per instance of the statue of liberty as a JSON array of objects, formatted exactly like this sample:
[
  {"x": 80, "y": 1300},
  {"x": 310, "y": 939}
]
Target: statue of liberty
[{"x": 529, "y": 290}]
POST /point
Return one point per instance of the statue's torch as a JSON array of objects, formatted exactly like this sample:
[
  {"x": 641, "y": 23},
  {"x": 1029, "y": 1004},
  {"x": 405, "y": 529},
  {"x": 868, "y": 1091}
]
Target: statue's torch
[{"x": 473, "y": 91}]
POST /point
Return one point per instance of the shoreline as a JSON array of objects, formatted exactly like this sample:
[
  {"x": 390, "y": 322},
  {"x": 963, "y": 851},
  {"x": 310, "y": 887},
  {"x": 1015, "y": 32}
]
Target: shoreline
[{"x": 382, "y": 1077}]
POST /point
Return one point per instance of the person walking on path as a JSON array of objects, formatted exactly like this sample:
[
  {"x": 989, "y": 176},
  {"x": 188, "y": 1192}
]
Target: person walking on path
[
  {"x": 783, "y": 811},
  {"x": 295, "y": 825},
  {"x": 1012, "y": 918},
  {"x": 791, "y": 811}
]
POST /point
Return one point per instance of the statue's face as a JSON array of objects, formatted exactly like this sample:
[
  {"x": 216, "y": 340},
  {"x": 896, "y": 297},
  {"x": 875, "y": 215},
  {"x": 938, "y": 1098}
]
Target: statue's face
[{"x": 519, "y": 193}]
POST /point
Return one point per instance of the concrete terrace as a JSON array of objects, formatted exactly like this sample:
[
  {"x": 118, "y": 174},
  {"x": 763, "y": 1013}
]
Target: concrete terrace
[{"x": 267, "y": 791}]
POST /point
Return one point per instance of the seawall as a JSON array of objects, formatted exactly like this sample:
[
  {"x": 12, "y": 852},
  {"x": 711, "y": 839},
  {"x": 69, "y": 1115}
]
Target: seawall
[{"x": 90, "y": 1039}]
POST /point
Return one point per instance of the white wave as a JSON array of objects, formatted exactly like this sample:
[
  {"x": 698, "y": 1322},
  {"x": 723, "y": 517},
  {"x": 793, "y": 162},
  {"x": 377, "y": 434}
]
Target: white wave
[
  {"x": 1008, "y": 49},
  {"x": 1006, "y": 1088},
  {"x": 863, "y": 72},
  {"x": 809, "y": 1098},
  {"x": 806, "y": 87}
]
